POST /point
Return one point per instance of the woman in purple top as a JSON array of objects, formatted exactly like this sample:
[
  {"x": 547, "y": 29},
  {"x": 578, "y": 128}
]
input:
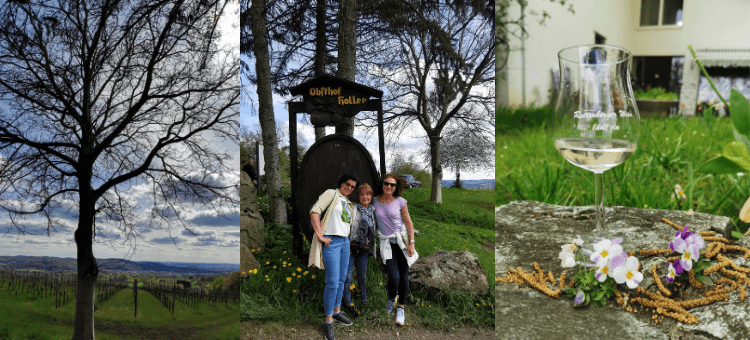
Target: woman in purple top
[{"x": 396, "y": 234}]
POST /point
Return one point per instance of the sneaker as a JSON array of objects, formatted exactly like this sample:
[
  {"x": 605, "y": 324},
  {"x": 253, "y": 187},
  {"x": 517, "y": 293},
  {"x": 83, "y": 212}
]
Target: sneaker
[
  {"x": 351, "y": 310},
  {"x": 328, "y": 330},
  {"x": 400, "y": 317},
  {"x": 389, "y": 307},
  {"x": 342, "y": 319}
]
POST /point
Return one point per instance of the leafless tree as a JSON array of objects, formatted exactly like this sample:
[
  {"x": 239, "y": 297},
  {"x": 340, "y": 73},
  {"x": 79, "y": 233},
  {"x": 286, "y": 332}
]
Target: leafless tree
[
  {"x": 100, "y": 95},
  {"x": 440, "y": 60}
]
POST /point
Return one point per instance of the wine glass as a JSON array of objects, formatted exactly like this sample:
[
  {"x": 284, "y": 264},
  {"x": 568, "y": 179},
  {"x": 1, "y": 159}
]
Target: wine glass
[{"x": 595, "y": 122}]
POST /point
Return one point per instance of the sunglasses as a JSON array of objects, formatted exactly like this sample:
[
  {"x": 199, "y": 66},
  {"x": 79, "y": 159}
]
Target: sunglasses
[
  {"x": 350, "y": 186},
  {"x": 389, "y": 184}
]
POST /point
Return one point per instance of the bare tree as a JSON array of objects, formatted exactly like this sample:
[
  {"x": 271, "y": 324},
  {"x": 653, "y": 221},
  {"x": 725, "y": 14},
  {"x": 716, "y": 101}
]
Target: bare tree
[
  {"x": 440, "y": 61},
  {"x": 99, "y": 95}
]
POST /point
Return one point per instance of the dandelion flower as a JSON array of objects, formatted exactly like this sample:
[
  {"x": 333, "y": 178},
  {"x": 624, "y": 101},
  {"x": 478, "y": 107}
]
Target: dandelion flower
[
  {"x": 313, "y": 276},
  {"x": 268, "y": 279},
  {"x": 288, "y": 279},
  {"x": 299, "y": 269},
  {"x": 294, "y": 291},
  {"x": 274, "y": 267},
  {"x": 284, "y": 252},
  {"x": 305, "y": 273},
  {"x": 351, "y": 287},
  {"x": 268, "y": 262}
]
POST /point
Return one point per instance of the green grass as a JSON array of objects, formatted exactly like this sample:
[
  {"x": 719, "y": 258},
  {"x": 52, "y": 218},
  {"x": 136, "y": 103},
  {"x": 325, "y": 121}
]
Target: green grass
[
  {"x": 462, "y": 222},
  {"x": 27, "y": 317},
  {"x": 528, "y": 167}
]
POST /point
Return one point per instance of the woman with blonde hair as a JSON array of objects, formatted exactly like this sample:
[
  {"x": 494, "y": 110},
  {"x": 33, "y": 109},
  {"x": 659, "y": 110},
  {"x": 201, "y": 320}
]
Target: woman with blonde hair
[
  {"x": 396, "y": 236},
  {"x": 362, "y": 244}
]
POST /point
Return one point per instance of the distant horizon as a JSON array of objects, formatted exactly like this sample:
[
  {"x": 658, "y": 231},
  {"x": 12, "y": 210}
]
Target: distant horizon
[{"x": 112, "y": 258}]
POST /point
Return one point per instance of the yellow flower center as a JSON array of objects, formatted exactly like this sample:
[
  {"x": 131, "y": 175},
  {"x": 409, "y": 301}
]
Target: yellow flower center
[
  {"x": 629, "y": 275},
  {"x": 687, "y": 256},
  {"x": 604, "y": 253},
  {"x": 605, "y": 270}
]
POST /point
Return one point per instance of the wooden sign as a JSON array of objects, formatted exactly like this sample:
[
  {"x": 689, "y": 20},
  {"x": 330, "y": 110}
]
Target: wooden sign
[{"x": 329, "y": 100}]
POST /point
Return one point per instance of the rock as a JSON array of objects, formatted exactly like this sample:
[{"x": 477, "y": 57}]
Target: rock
[
  {"x": 527, "y": 232},
  {"x": 450, "y": 269},
  {"x": 247, "y": 259},
  {"x": 251, "y": 224}
]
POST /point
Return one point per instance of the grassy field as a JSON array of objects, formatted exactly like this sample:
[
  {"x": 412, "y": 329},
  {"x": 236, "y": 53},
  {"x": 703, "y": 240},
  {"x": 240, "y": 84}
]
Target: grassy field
[
  {"x": 23, "y": 317},
  {"x": 462, "y": 222},
  {"x": 528, "y": 167}
]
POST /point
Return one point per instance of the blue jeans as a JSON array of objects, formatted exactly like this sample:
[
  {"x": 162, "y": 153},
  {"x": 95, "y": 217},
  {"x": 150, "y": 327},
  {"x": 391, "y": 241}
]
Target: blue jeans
[
  {"x": 335, "y": 261},
  {"x": 360, "y": 261}
]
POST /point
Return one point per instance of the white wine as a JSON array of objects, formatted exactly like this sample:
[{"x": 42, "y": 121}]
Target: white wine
[{"x": 593, "y": 154}]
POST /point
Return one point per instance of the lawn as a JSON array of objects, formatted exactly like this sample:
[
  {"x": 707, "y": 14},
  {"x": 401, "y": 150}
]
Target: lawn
[
  {"x": 528, "y": 167},
  {"x": 462, "y": 222}
]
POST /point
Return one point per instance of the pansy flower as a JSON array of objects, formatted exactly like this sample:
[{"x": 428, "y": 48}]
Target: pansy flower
[
  {"x": 628, "y": 273},
  {"x": 689, "y": 251},
  {"x": 672, "y": 273},
  {"x": 580, "y": 297},
  {"x": 604, "y": 250}
]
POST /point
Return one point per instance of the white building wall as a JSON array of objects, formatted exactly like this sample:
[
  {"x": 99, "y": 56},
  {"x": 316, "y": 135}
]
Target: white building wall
[{"x": 706, "y": 24}]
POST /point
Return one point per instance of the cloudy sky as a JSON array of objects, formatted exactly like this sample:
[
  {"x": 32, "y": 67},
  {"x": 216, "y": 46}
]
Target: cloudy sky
[{"x": 214, "y": 239}]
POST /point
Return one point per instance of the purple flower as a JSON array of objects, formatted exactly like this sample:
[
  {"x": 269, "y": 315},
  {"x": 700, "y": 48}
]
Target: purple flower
[
  {"x": 684, "y": 233},
  {"x": 580, "y": 297},
  {"x": 677, "y": 267}
]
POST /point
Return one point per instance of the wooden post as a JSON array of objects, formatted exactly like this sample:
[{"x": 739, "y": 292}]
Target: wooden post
[{"x": 135, "y": 296}]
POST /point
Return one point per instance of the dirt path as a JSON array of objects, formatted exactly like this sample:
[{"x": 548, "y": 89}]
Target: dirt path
[{"x": 273, "y": 331}]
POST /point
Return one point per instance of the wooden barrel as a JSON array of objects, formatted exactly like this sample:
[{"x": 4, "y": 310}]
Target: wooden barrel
[{"x": 324, "y": 163}]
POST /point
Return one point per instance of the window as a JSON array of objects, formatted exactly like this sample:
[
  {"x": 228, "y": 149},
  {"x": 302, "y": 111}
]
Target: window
[{"x": 656, "y": 13}]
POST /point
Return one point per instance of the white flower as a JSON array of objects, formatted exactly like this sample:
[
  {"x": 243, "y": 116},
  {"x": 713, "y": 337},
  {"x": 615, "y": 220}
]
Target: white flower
[
  {"x": 678, "y": 192},
  {"x": 602, "y": 272},
  {"x": 628, "y": 273},
  {"x": 604, "y": 250}
]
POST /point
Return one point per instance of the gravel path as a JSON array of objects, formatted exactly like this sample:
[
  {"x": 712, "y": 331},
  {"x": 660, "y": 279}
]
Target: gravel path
[{"x": 273, "y": 331}]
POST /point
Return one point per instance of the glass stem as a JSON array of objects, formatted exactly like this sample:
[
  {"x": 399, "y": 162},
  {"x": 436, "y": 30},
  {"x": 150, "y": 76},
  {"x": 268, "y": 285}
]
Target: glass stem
[{"x": 599, "y": 188}]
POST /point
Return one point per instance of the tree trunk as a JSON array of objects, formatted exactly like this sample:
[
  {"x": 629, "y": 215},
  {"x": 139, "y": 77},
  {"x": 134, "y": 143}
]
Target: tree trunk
[
  {"x": 320, "y": 51},
  {"x": 347, "y": 52},
  {"x": 83, "y": 325},
  {"x": 265, "y": 113},
  {"x": 458, "y": 176},
  {"x": 436, "y": 194}
]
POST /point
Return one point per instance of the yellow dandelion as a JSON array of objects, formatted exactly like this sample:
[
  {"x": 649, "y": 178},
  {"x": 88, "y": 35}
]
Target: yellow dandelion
[
  {"x": 284, "y": 263},
  {"x": 294, "y": 274},
  {"x": 252, "y": 250},
  {"x": 477, "y": 304},
  {"x": 284, "y": 252},
  {"x": 255, "y": 271},
  {"x": 274, "y": 267},
  {"x": 288, "y": 279},
  {"x": 351, "y": 287},
  {"x": 243, "y": 273},
  {"x": 429, "y": 306},
  {"x": 351, "y": 304},
  {"x": 294, "y": 291},
  {"x": 305, "y": 273},
  {"x": 268, "y": 279},
  {"x": 381, "y": 283},
  {"x": 313, "y": 276},
  {"x": 258, "y": 249},
  {"x": 299, "y": 269},
  {"x": 268, "y": 262},
  {"x": 266, "y": 276}
]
